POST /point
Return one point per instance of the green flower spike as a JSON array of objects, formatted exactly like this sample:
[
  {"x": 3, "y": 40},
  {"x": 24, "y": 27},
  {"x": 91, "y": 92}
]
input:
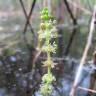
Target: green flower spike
[{"x": 46, "y": 33}]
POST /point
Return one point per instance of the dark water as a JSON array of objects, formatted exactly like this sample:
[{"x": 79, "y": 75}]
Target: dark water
[{"x": 64, "y": 82}]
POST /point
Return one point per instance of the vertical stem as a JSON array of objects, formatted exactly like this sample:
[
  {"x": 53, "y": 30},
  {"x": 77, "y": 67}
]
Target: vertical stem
[
  {"x": 39, "y": 44},
  {"x": 48, "y": 57},
  {"x": 49, "y": 70}
]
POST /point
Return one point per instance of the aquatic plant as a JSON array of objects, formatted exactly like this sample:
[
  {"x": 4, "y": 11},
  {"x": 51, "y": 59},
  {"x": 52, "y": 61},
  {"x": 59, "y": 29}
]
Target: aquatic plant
[{"x": 46, "y": 33}]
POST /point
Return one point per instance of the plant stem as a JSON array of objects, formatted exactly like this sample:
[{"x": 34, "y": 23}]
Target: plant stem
[{"x": 88, "y": 44}]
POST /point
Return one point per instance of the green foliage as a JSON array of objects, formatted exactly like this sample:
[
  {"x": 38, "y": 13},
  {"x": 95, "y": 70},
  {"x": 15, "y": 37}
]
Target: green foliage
[
  {"x": 48, "y": 78},
  {"x": 46, "y": 33},
  {"x": 46, "y": 89}
]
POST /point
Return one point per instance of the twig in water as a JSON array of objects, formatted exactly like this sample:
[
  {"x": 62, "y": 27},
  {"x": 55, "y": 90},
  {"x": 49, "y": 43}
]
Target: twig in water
[
  {"x": 89, "y": 90},
  {"x": 83, "y": 59}
]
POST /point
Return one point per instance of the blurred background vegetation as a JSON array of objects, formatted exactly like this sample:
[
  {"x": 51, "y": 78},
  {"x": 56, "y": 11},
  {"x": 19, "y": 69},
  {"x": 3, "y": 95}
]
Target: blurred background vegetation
[{"x": 12, "y": 23}]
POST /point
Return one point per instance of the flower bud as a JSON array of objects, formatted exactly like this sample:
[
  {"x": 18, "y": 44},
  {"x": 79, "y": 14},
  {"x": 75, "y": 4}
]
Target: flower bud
[{"x": 42, "y": 26}]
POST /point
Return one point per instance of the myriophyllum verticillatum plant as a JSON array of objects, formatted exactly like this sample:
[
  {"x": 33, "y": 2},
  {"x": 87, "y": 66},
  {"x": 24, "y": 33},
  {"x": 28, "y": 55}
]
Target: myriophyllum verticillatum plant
[{"x": 46, "y": 33}]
